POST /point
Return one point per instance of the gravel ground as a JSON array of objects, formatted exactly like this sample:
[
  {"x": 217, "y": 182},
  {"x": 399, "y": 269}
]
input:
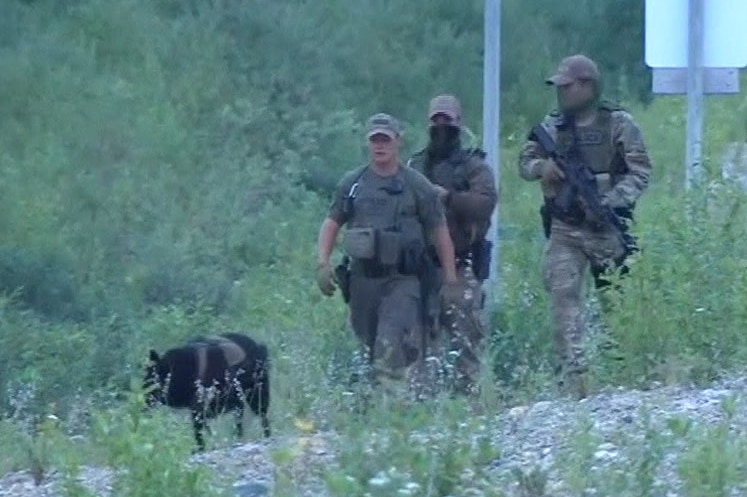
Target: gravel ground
[{"x": 550, "y": 437}]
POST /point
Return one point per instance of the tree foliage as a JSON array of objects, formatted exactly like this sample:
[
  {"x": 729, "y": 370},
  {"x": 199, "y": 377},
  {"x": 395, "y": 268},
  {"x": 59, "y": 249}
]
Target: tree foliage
[{"x": 164, "y": 164}]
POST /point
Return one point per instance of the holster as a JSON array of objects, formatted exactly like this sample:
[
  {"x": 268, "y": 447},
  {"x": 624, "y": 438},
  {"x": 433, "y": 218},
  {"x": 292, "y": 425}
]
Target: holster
[
  {"x": 481, "y": 258},
  {"x": 388, "y": 247},
  {"x": 342, "y": 277}
]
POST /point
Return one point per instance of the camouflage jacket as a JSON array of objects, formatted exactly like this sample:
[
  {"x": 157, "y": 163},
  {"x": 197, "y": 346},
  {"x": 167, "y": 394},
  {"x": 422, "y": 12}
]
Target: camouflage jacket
[
  {"x": 626, "y": 163},
  {"x": 472, "y": 193}
]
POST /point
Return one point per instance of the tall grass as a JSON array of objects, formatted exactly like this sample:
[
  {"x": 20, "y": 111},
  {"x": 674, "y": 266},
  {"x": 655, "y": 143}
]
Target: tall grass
[{"x": 165, "y": 166}]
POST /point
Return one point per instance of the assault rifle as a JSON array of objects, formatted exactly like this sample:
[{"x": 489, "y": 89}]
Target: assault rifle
[{"x": 578, "y": 198}]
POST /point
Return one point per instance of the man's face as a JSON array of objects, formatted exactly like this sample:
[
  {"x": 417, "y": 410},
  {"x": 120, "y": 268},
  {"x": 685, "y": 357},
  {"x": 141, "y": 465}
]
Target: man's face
[
  {"x": 574, "y": 96},
  {"x": 383, "y": 149}
]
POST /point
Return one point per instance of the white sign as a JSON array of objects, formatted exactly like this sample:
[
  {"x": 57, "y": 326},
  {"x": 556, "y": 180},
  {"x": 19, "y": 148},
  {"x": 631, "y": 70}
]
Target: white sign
[
  {"x": 724, "y": 33},
  {"x": 673, "y": 80}
]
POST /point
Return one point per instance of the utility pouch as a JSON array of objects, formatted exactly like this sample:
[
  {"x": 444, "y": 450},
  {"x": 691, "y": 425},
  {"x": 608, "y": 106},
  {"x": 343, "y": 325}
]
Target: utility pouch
[
  {"x": 388, "y": 248},
  {"x": 360, "y": 243}
]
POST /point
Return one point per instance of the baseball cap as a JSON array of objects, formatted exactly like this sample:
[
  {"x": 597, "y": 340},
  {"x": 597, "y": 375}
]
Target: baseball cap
[
  {"x": 448, "y": 105},
  {"x": 382, "y": 124},
  {"x": 573, "y": 68}
]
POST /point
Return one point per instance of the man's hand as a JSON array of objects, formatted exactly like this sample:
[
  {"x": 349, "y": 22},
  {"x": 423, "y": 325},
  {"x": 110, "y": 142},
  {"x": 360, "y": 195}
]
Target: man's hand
[
  {"x": 324, "y": 278},
  {"x": 550, "y": 173},
  {"x": 451, "y": 293}
]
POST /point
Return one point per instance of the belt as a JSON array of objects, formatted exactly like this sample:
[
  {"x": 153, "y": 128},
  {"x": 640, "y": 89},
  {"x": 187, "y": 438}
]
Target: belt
[{"x": 374, "y": 270}]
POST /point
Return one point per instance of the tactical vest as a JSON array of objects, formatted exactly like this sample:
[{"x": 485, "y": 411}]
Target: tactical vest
[
  {"x": 387, "y": 205},
  {"x": 596, "y": 145},
  {"x": 454, "y": 178}
]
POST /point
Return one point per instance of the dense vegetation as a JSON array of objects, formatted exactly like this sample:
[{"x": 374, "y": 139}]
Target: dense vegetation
[{"x": 164, "y": 165}]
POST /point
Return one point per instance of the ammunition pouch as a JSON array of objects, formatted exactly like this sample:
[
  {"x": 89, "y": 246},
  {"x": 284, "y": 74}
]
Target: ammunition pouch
[
  {"x": 388, "y": 247},
  {"x": 391, "y": 257},
  {"x": 373, "y": 246},
  {"x": 360, "y": 243}
]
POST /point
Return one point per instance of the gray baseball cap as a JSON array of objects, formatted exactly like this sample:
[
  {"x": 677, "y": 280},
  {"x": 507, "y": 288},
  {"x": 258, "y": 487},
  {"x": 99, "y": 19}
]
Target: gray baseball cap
[
  {"x": 447, "y": 105},
  {"x": 574, "y": 68},
  {"x": 382, "y": 124}
]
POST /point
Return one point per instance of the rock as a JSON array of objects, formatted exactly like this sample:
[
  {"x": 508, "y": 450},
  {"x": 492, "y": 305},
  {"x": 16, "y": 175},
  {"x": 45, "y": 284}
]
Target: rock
[
  {"x": 518, "y": 411},
  {"x": 606, "y": 452},
  {"x": 251, "y": 489}
]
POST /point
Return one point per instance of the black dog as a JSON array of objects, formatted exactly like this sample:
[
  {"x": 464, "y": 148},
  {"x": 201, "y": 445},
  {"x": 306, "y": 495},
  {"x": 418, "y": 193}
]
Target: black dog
[{"x": 212, "y": 375}]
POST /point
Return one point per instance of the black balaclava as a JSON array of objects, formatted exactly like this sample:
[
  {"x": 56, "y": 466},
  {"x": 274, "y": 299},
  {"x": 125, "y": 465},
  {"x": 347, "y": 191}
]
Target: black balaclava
[{"x": 444, "y": 140}]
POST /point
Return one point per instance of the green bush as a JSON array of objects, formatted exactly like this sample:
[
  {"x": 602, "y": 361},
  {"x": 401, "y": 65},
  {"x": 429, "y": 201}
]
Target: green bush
[{"x": 165, "y": 166}]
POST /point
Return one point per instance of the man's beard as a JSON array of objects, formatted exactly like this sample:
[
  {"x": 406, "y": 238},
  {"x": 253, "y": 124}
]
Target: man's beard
[{"x": 444, "y": 139}]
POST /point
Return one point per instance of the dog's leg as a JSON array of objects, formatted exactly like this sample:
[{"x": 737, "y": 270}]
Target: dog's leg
[
  {"x": 198, "y": 424},
  {"x": 238, "y": 414},
  {"x": 259, "y": 399},
  {"x": 265, "y": 425}
]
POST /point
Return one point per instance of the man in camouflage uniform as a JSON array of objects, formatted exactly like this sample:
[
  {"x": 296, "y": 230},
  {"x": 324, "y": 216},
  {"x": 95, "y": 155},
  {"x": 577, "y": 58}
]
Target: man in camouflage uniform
[
  {"x": 467, "y": 190},
  {"x": 389, "y": 212},
  {"x": 611, "y": 146}
]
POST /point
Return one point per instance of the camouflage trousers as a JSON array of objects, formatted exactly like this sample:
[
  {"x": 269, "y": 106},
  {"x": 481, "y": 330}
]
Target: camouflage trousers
[
  {"x": 570, "y": 251},
  {"x": 385, "y": 314},
  {"x": 456, "y": 338}
]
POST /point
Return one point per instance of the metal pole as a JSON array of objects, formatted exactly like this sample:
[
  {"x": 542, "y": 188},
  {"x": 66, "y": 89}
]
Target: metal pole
[
  {"x": 693, "y": 168},
  {"x": 491, "y": 131}
]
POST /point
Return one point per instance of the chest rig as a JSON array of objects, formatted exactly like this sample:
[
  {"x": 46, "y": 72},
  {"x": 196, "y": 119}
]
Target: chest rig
[
  {"x": 383, "y": 234},
  {"x": 596, "y": 144},
  {"x": 470, "y": 244},
  {"x": 451, "y": 172}
]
